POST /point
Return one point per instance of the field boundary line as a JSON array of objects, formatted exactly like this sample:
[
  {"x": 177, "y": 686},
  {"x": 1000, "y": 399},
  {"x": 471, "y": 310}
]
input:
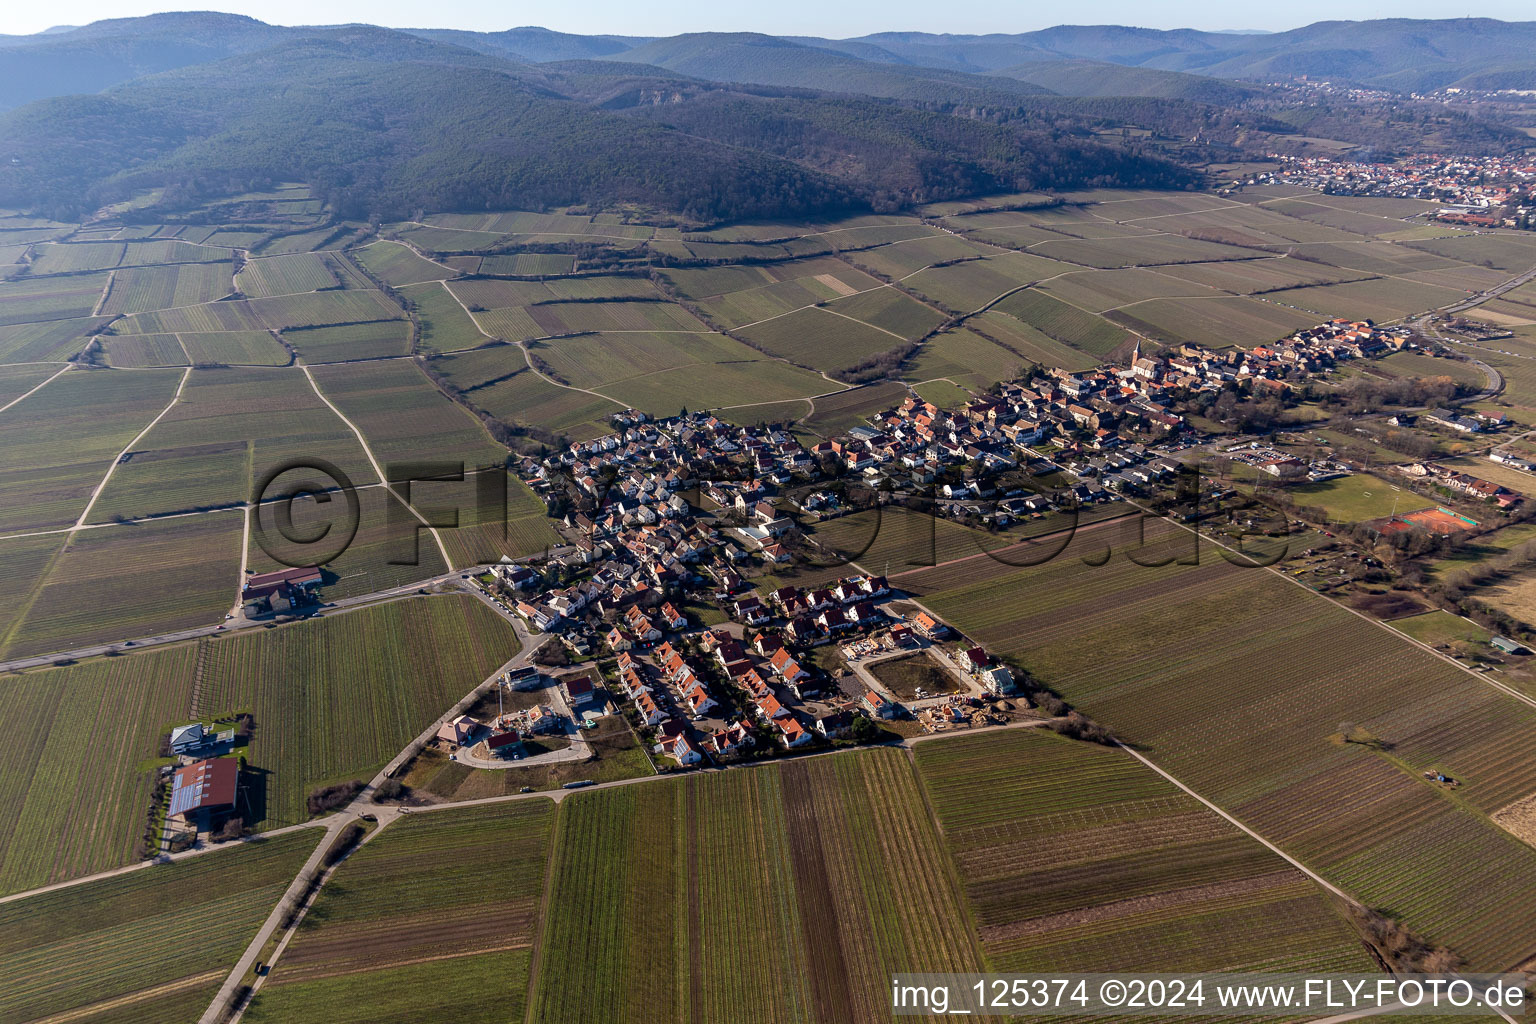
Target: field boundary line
[
  {"x": 1292, "y": 861},
  {"x": 376, "y": 467},
  {"x": 39, "y": 387},
  {"x": 185, "y": 376},
  {"x": 1508, "y": 691},
  {"x": 131, "y": 998}
]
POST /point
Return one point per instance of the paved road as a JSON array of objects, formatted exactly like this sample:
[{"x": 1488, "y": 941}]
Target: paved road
[{"x": 129, "y": 644}]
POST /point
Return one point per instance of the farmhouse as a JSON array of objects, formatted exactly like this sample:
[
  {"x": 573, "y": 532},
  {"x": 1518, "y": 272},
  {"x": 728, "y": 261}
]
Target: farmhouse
[
  {"x": 204, "y": 787},
  {"x": 279, "y": 591}
]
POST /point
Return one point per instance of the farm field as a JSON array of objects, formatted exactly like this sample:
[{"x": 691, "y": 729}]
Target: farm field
[
  {"x": 348, "y": 342},
  {"x": 1506, "y": 252},
  {"x": 711, "y": 385},
  {"x": 837, "y": 413},
  {"x": 56, "y": 446},
  {"x": 55, "y": 340},
  {"x": 889, "y": 310},
  {"x": 445, "y": 326},
  {"x": 397, "y": 265},
  {"x": 1083, "y": 859},
  {"x": 364, "y": 674},
  {"x": 229, "y": 429},
  {"x": 403, "y": 415},
  {"x": 387, "y": 550},
  {"x": 138, "y": 580},
  {"x": 1063, "y": 322},
  {"x": 236, "y": 348},
  {"x": 39, "y": 299},
  {"x": 592, "y": 360},
  {"x": 142, "y": 289},
  {"x": 1139, "y": 251},
  {"x": 498, "y": 380},
  {"x": 481, "y": 537},
  {"x": 975, "y": 284},
  {"x": 16, "y": 381},
  {"x": 738, "y": 296},
  {"x": 1172, "y": 638},
  {"x": 285, "y": 275},
  {"x": 967, "y": 358},
  {"x": 1216, "y": 323},
  {"x": 163, "y": 937},
  {"x": 898, "y": 259},
  {"x": 820, "y": 339},
  {"x": 831, "y": 862},
  {"x": 396, "y": 920},
  {"x": 78, "y": 783},
  {"x": 137, "y": 351},
  {"x": 526, "y": 264},
  {"x": 1383, "y": 299},
  {"x": 1098, "y": 291}
]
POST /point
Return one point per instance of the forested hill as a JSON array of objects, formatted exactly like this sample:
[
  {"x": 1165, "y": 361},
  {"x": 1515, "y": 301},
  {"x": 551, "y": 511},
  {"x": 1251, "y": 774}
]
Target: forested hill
[
  {"x": 703, "y": 127},
  {"x": 385, "y": 123}
]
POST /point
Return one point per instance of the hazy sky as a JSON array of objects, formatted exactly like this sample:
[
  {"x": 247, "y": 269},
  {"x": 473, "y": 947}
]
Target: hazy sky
[{"x": 835, "y": 18}]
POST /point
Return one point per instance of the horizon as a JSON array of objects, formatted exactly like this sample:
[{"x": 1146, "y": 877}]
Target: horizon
[{"x": 795, "y": 18}]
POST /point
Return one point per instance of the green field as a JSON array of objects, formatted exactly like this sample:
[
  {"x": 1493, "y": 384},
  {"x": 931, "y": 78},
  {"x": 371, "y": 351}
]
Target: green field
[
  {"x": 381, "y": 340},
  {"x": 1441, "y": 627},
  {"x": 61, "y": 441},
  {"x": 404, "y": 417},
  {"x": 1234, "y": 679},
  {"x": 1064, "y": 322},
  {"x": 143, "y": 289},
  {"x": 445, "y": 327},
  {"x": 498, "y": 380},
  {"x": 364, "y": 675},
  {"x": 154, "y": 944},
  {"x": 136, "y": 351},
  {"x": 832, "y": 863},
  {"x": 1080, "y": 858},
  {"x": 123, "y": 582},
  {"x": 1216, "y": 323},
  {"x": 820, "y": 339},
  {"x": 1356, "y": 498},
  {"x": 54, "y": 340},
  {"x": 73, "y": 804},
  {"x": 285, "y": 275},
  {"x": 528, "y": 264},
  {"x": 448, "y": 902},
  {"x": 397, "y": 265},
  {"x": 230, "y": 428},
  {"x": 36, "y": 300}
]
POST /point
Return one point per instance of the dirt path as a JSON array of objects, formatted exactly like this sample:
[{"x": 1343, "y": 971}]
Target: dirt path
[
  {"x": 185, "y": 376},
  {"x": 36, "y": 389},
  {"x": 383, "y": 477}
]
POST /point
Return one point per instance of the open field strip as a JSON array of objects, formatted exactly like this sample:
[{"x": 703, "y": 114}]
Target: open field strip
[{"x": 109, "y": 949}]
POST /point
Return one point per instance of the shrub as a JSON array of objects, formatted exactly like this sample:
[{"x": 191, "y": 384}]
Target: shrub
[{"x": 330, "y": 798}]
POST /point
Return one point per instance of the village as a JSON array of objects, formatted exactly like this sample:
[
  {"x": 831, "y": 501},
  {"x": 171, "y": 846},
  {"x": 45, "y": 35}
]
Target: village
[
  {"x": 671, "y": 525},
  {"x": 1479, "y": 192}
]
